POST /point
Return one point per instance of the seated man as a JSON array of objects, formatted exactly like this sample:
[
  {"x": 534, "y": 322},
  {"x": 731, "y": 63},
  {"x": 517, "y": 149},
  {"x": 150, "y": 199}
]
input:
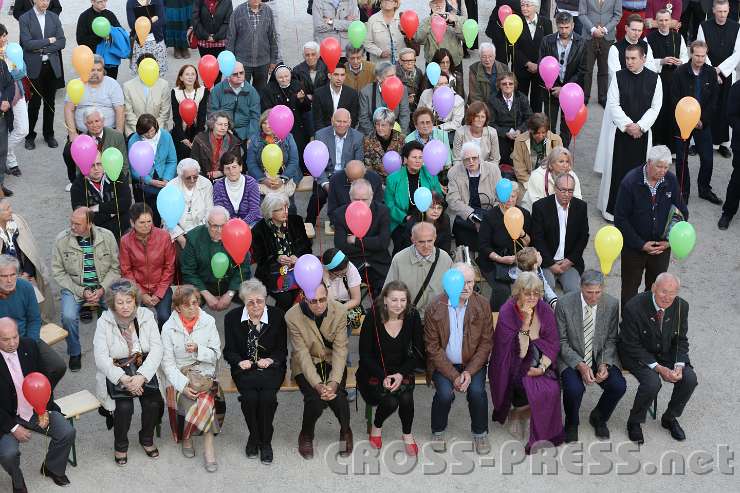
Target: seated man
[
  {"x": 588, "y": 353},
  {"x": 101, "y": 92},
  {"x": 371, "y": 100},
  {"x": 202, "y": 243},
  {"x": 330, "y": 97},
  {"x": 84, "y": 264},
  {"x": 244, "y": 108},
  {"x": 653, "y": 345},
  {"x": 458, "y": 343},
  {"x": 20, "y": 356},
  {"x": 341, "y": 181},
  {"x": 319, "y": 365}
]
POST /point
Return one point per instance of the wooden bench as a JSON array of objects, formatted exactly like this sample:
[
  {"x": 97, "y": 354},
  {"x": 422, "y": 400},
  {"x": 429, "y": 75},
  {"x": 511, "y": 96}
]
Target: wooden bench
[
  {"x": 305, "y": 185},
  {"x": 72, "y": 407},
  {"x": 328, "y": 230},
  {"x": 310, "y": 230},
  {"x": 52, "y": 334}
]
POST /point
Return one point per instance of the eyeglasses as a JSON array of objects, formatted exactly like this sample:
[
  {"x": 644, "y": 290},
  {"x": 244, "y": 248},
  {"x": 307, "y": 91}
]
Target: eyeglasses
[
  {"x": 190, "y": 178},
  {"x": 408, "y": 60},
  {"x": 317, "y": 301},
  {"x": 469, "y": 283},
  {"x": 507, "y": 83},
  {"x": 257, "y": 302},
  {"x": 217, "y": 227},
  {"x": 564, "y": 190},
  {"x": 470, "y": 159},
  {"x": 237, "y": 73}
]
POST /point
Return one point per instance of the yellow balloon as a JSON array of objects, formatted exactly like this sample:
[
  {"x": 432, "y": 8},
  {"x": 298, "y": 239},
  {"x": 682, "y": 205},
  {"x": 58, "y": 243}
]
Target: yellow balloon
[
  {"x": 608, "y": 244},
  {"x": 513, "y": 27},
  {"x": 272, "y": 159},
  {"x": 148, "y": 72},
  {"x": 688, "y": 113},
  {"x": 75, "y": 90}
]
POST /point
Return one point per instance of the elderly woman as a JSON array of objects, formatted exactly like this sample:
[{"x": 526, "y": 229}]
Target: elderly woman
[
  {"x": 411, "y": 76},
  {"x": 423, "y": 119},
  {"x": 510, "y": 112},
  {"x": 277, "y": 242},
  {"x": 476, "y": 130},
  {"x": 497, "y": 250},
  {"x": 197, "y": 191},
  {"x": 455, "y": 14},
  {"x": 542, "y": 180},
  {"x": 343, "y": 281},
  {"x": 391, "y": 347},
  {"x": 454, "y": 119},
  {"x": 523, "y": 366},
  {"x": 209, "y": 145},
  {"x": 471, "y": 192},
  {"x": 533, "y": 146},
  {"x": 528, "y": 259},
  {"x": 257, "y": 349},
  {"x": 384, "y": 37},
  {"x": 384, "y": 139},
  {"x": 237, "y": 193},
  {"x": 128, "y": 351},
  {"x": 187, "y": 87},
  {"x": 192, "y": 348},
  {"x": 147, "y": 256}
]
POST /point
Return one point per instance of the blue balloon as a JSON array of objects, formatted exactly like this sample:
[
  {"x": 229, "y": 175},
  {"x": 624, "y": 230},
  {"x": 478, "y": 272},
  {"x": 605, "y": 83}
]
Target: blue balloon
[
  {"x": 226, "y": 63},
  {"x": 453, "y": 282},
  {"x": 423, "y": 199},
  {"x": 433, "y": 73},
  {"x": 503, "y": 189},
  {"x": 14, "y": 53},
  {"x": 171, "y": 206}
]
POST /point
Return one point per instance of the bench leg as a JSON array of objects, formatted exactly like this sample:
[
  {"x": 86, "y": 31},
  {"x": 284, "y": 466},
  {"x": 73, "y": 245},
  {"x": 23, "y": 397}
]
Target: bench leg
[
  {"x": 73, "y": 453},
  {"x": 369, "y": 417}
]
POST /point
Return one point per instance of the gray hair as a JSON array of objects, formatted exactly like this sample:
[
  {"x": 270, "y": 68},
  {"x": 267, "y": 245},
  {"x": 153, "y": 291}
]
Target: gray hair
[
  {"x": 667, "y": 276},
  {"x": 592, "y": 277},
  {"x": 186, "y": 164},
  {"x": 383, "y": 67},
  {"x": 462, "y": 267},
  {"x": 252, "y": 286},
  {"x": 659, "y": 154},
  {"x": 422, "y": 225},
  {"x": 211, "y": 120},
  {"x": 123, "y": 287},
  {"x": 486, "y": 46},
  {"x": 404, "y": 51},
  {"x": 271, "y": 202},
  {"x": 91, "y": 111},
  {"x": 470, "y": 146},
  {"x": 534, "y": 3},
  {"x": 312, "y": 45},
  {"x": 383, "y": 114},
  {"x": 563, "y": 175},
  {"x": 360, "y": 183},
  {"x": 351, "y": 50},
  {"x": 8, "y": 260},
  {"x": 218, "y": 209},
  {"x": 559, "y": 151},
  {"x": 98, "y": 60}
]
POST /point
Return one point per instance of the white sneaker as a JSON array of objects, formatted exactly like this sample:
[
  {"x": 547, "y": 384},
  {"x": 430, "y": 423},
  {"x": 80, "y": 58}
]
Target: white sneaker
[{"x": 68, "y": 187}]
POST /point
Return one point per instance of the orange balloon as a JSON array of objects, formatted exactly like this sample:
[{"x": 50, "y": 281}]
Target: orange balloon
[
  {"x": 514, "y": 222},
  {"x": 82, "y": 60},
  {"x": 143, "y": 27},
  {"x": 688, "y": 113}
]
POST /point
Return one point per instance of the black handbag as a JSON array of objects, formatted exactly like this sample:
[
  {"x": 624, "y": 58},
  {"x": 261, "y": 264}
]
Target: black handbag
[
  {"x": 130, "y": 366},
  {"x": 502, "y": 273}
]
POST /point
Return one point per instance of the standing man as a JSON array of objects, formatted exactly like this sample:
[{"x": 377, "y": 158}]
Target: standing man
[
  {"x": 693, "y": 13},
  {"x": 42, "y": 39},
  {"x": 239, "y": 99},
  {"x": 732, "y": 199},
  {"x": 634, "y": 28},
  {"x": 331, "y": 18},
  {"x": 599, "y": 19},
  {"x": 252, "y": 38},
  {"x": 527, "y": 53}
]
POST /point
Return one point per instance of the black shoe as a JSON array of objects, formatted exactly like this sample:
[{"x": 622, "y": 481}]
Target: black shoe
[
  {"x": 30, "y": 145},
  {"x": 600, "y": 428},
  {"x": 724, "y": 152},
  {"x": 724, "y": 221},
  {"x": 710, "y": 196},
  {"x": 672, "y": 425},
  {"x": 52, "y": 142},
  {"x": 108, "y": 415},
  {"x": 634, "y": 432},
  {"x": 75, "y": 363},
  {"x": 602, "y": 104},
  {"x": 85, "y": 315},
  {"x": 571, "y": 433},
  {"x": 266, "y": 454},
  {"x": 251, "y": 449},
  {"x": 7, "y": 192},
  {"x": 692, "y": 151},
  {"x": 14, "y": 171},
  {"x": 61, "y": 480}
]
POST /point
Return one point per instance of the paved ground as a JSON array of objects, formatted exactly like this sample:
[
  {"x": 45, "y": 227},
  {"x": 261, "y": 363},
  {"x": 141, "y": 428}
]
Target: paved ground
[{"x": 709, "y": 277}]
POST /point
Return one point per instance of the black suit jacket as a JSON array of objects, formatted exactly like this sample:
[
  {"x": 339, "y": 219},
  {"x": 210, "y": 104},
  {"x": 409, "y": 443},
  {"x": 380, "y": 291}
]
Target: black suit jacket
[
  {"x": 264, "y": 253},
  {"x": 323, "y": 106},
  {"x": 376, "y": 241},
  {"x": 273, "y": 339},
  {"x": 527, "y": 48},
  {"x": 22, "y": 6},
  {"x": 338, "y": 195},
  {"x": 683, "y": 84},
  {"x": 575, "y": 67},
  {"x": 546, "y": 229}
]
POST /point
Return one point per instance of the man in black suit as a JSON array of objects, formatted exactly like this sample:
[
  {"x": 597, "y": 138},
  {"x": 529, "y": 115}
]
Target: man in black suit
[
  {"x": 562, "y": 253},
  {"x": 341, "y": 181},
  {"x": 527, "y": 52},
  {"x": 22, "y": 6},
  {"x": 330, "y": 97},
  {"x": 17, "y": 417},
  {"x": 653, "y": 346}
]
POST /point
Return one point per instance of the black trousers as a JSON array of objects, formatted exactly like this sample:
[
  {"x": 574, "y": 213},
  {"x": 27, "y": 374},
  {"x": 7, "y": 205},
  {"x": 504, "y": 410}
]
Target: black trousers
[
  {"x": 388, "y": 404},
  {"x": 530, "y": 85},
  {"x": 258, "y": 396},
  {"x": 372, "y": 274},
  {"x": 613, "y": 388},
  {"x": 552, "y": 110},
  {"x": 211, "y": 51},
  {"x": 312, "y": 208},
  {"x": 69, "y": 162},
  {"x": 285, "y": 299},
  {"x": 152, "y": 407},
  {"x": 732, "y": 198},
  {"x": 647, "y": 391},
  {"x": 258, "y": 77},
  {"x": 472, "y": 7},
  {"x": 313, "y": 406},
  {"x": 465, "y": 233},
  {"x": 112, "y": 71},
  {"x": 703, "y": 144},
  {"x": 691, "y": 18},
  {"x": 634, "y": 263},
  {"x": 500, "y": 291},
  {"x": 43, "y": 90}
]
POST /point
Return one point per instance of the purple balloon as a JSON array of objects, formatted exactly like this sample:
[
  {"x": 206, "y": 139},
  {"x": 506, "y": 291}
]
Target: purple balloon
[
  {"x": 84, "y": 150},
  {"x": 141, "y": 158},
  {"x": 308, "y": 274},
  {"x": 281, "y": 120},
  {"x": 435, "y": 156},
  {"x": 443, "y": 100},
  {"x": 391, "y": 162},
  {"x": 316, "y": 157}
]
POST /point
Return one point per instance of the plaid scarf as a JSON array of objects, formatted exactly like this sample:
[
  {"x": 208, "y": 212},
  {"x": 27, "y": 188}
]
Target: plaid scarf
[{"x": 206, "y": 414}]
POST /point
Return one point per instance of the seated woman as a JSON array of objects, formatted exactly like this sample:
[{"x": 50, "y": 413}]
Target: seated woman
[
  {"x": 278, "y": 239},
  {"x": 391, "y": 348},
  {"x": 198, "y": 193},
  {"x": 497, "y": 250},
  {"x": 216, "y": 140},
  {"x": 454, "y": 119},
  {"x": 343, "y": 281},
  {"x": 192, "y": 348},
  {"x": 257, "y": 349},
  {"x": 476, "y": 130},
  {"x": 523, "y": 366},
  {"x": 187, "y": 87},
  {"x": 441, "y": 221},
  {"x": 444, "y": 59},
  {"x": 542, "y": 180},
  {"x": 128, "y": 351},
  {"x": 533, "y": 146},
  {"x": 528, "y": 259},
  {"x": 423, "y": 120},
  {"x": 147, "y": 256},
  {"x": 386, "y": 138},
  {"x": 510, "y": 112},
  {"x": 236, "y": 192}
]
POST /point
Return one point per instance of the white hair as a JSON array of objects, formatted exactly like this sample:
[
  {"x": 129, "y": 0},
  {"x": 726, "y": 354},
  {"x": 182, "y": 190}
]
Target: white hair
[
  {"x": 251, "y": 286},
  {"x": 312, "y": 45},
  {"x": 218, "y": 209},
  {"x": 360, "y": 183},
  {"x": 271, "y": 202},
  {"x": 470, "y": 146},
  {"x": 534, "y": 3},
  {"x": 659, "y": 154},
  {"x": 486, "y": 46},
  {"x": 186, "y": 164}
]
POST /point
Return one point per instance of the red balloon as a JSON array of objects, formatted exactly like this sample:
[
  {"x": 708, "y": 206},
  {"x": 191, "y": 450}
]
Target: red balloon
[
  {"x": 188, "y": 111},
  {"x": 208, "y": 69},
  {"x": 331, "y": 50},
  {"x": 37, "y": 390},
  {"x": 237, "y": 238},
  {"x": 409, "y": 23},
  {"x": 358, "y": 217},
  {"x": 392, "y": 91},
  {"x": 576, "y": 124}
]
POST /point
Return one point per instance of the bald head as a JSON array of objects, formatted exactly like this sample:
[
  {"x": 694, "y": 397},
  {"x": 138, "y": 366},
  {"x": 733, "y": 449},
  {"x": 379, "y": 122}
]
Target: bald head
[
  {"x": 665, "y": 289},
  {"x": 354, "y": 170},
  {"x": 80, "y": 223},
  {"x": 341, "y": 121},
  {"x": 8, "y": 335}
]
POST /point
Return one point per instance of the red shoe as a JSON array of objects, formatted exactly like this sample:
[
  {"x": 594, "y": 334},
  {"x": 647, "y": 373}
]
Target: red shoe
[
  {"x": 375, "y": 442},
  {"x": 412, "y": 449}
]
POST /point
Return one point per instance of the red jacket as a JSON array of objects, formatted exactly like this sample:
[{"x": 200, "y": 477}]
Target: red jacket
[{"x": 153, "y": 266}]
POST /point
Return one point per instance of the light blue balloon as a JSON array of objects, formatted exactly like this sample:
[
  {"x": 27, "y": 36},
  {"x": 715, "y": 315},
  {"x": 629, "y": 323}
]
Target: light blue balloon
[
  {"x": 433, "y": 73},
  {"x": 226, "y": 63},
  {"x": 503, "y": 189},
  {"x": 423, "y": 199},
  {"x": 14, "y": 53},
  {"x": 171, "y": 206},
  {"x": 453, "y": 282}
]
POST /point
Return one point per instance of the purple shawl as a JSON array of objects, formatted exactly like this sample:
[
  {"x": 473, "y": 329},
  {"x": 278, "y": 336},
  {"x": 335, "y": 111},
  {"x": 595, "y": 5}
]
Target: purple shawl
[{"x": 249, "y": 207}]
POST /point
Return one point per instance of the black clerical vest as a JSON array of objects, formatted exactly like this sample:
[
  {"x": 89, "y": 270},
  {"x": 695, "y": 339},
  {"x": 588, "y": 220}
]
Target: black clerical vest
[
  {"x": 636, "y": 92},
  {"x": 720, "y": 39},
  {"x": 622, "y": 46},
  {"x": 663, "y": 46}
]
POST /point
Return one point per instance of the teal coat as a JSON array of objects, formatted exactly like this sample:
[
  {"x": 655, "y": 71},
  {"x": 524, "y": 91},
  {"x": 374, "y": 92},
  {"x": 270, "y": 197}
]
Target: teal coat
[{"x": 397, "y": 193}]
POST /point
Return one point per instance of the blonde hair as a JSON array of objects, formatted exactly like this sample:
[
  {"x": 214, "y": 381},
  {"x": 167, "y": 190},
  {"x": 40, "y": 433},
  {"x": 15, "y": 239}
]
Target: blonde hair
[{"x": 527, "y": 282}]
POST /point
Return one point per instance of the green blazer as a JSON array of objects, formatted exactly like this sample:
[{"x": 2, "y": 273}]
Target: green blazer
[
  {"x": 195, "y": 264},
  {"x": 397, "y": 193}
]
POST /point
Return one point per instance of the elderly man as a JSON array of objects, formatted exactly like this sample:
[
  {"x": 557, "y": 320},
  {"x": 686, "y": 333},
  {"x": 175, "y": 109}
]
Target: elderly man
[
  {"x": 484, "y": 73},
  {"x": 371, "y": 99},
  {"x": 240, "y": 99},
  {"x": 648, "y": 204},
  {"x": 360, "y": 72},
  {"x": 588, "y": 321},
  {"x": 599, "y": 19},
  {"x": 341, "y": 182},
  {"x": 253, "y": 39},
  {"x": 560, "y": 233},
  {"x": 109, "y": 200},
  {"x": 411, "y": 76},
  {"x": 459, "y": 336},
  {"x": 20, "y": 357},
  {"x": 471, "y": 191},
  {"x": 369, "y": 254},
  {"x": 140, "y": 99},
  {"x": 84, "y": 264},
  {"x": 421, "y": 266},
  {"x": 312, "y": 71},
  {"x": 527, "y": 52},
  {"x": 653, "y": 345},
  {"x": 331, "y": 97}
]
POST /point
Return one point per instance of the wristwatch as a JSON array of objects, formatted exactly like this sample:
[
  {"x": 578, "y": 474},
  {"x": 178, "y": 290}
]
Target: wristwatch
[{"x": 230, "y": 293}]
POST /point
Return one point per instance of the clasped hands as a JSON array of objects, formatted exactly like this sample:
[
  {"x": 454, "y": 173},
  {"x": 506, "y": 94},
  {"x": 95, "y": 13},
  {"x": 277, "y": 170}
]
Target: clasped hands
[
  {"x": 654, "y": 247},
  {"x": 393, "y": 382},
  {"x": 462, "y": 382},
  {"x": 134, "y": 384},
  {"x": 328, "y": 391},
  {"x": 633, "y": 130},
  {"x": 561, "y": 266},
  {"x": 262, "y": 363},
  {"x": 587, "y": 374},
  {"x": 668, "y": 375}
]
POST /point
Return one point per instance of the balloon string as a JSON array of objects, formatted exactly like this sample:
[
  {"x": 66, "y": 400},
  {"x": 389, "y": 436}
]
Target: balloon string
[
  {"x": 318, "y": 212},
  {"x": 241, "y": 276},
  {"x": 118, "y": 214},
  {"x": 685, "y": 163},
  {"x": 372, "y": 304},
  {"x": 218, "y": 286}
]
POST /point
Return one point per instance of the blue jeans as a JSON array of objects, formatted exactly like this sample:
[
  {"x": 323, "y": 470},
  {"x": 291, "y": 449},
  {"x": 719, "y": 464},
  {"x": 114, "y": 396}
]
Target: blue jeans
[
  {"x": 477, "y": 402},
  {"x": 71, "y": 320},
  {"x": 614, "y": 388},
  {"x": 163, "y": 309}
]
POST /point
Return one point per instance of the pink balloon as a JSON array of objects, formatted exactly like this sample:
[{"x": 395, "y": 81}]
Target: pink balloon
[
  {"x": 443, "y": 100},
  {"x": 84, "y": 151},
  {"x": 308, "y": 274},
  {"x": 549, "y": 70},
  {"x": 571, "y": 99},
  {"x": 439, "y": 27},
  {"x": 435, "y": 156},
  {"x": 141, "y": 157},
  {"x": 281, "y": 120},
  {"x": 391, "y": 162},
  {"x": 503, "y": 13},
  {"x": 359, "y": 218},
  {"x": 316, "y": 156}
]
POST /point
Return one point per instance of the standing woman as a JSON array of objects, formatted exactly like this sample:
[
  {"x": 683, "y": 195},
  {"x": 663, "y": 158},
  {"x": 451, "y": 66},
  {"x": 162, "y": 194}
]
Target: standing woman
[
  {"x": 19, "y": 105},
  {"x": 236, "y": 192},
  {"x": 178, "y": 14},
  {"x": 154, "y": 42},
  {"x": 211, "y": 144},
  {"x": 87, "y": 37},
  {"x": 198, "y": 193},
  {"x": 210, "y": 25},
  {"x": 187, "y": 87},
  {"x": 384, "y": 38}
]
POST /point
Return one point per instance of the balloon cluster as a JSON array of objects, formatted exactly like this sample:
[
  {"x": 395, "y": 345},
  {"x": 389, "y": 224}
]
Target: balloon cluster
[{"x": 511, "y": 23}]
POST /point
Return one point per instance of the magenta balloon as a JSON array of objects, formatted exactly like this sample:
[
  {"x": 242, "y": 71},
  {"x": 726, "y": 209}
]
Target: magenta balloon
[
  {"x": 571, "y": 99},
  {"x": 316, "y": 157},
  {"x": 391, "y": 162},
  {"x": 435, "y": 156},
  {"x": 443, "y": 100},
  {"x": 308, "y": 274},
  {"x": 549, "y": 70},
  {"x": 84, "y": 151},
  {"x": 281, "y": 120},
  {"x": 141, "y": 158}
]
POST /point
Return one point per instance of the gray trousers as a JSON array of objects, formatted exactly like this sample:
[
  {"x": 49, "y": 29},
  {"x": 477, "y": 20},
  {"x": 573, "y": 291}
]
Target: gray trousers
[
  {"x": 647, "y": 391},
  {"x": 52, "y": 365},
  {"x": 597, "y": 53},
  {"x": 570, "y": 280},
  {"x": 3, "y": 146}
]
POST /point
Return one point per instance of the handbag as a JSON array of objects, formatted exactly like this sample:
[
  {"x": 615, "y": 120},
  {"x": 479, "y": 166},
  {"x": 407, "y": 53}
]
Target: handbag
[
  {"x": 501, "y": 273},
  {"x": 130, "y": 366},
  {"x": 288, "y": 187},
  {"x": 196, "y": 380},
  {"x": 192, "y": 38}
]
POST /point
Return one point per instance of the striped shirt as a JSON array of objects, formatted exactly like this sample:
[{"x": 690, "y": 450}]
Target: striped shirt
[{"x": 89, "y": 274}]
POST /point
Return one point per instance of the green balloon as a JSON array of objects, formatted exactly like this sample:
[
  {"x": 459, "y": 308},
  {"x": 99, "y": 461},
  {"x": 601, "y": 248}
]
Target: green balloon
[
  {"x": 356, "y": 33},
  {"x": 219, "y": 265},
  {"x": 682, "y": 239},
  {"x": 470, "y": 32},
  {"x": 101, "y": 27},
  {"x": 112, "y": 163}
]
